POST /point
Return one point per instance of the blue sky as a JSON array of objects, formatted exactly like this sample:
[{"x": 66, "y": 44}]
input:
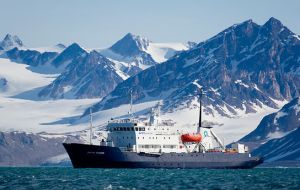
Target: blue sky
[{"x": 100, "y": 23}]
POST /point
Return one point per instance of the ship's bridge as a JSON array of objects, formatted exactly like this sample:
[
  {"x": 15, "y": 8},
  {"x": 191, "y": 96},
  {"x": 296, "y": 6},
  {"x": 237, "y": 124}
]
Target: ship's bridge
[
  {"x": 125, "y": 125},
  {"x": 149, "y": 135}
]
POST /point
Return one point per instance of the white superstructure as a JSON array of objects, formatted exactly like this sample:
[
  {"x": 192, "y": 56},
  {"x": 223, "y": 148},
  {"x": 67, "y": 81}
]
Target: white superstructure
[{"x": 156, "y": 136}]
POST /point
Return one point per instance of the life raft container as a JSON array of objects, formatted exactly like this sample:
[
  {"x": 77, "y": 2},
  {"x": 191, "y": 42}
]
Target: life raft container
[{"x": 191, "y": 138}]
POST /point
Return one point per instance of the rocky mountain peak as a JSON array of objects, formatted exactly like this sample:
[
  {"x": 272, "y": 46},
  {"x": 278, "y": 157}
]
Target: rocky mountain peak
[
  {"x": 274, "y": 26},
  {"x": 142, "y": 42},
  {"x": 272, "y": 22},
  {"x": 74, "y": 48},
  {"x": 71, "y": 52},
  {"x": 243, "y": 61},
  {"x": 11, "y": 41},
  {"x": 88, "y": 76},
  {"x": 130, "y": 45}
]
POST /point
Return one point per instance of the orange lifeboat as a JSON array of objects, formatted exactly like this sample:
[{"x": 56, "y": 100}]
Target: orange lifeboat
[{"x": 191, "y": 138}]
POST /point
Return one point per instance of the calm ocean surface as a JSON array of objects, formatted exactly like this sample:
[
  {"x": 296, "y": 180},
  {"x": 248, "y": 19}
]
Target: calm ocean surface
[{"x": 69, "y": 178}]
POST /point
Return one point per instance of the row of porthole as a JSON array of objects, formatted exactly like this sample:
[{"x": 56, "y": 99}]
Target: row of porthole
[
  {"x": 143, "y": 138},
  {"x": 157, "y": 146},
  {"x": 161, "y": 129},
  {"x": 153, "y": 138}
]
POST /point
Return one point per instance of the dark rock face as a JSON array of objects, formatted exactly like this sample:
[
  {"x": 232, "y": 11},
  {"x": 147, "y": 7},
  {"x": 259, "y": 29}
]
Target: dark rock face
[
  {"x": 30, "y": 57},
  {"x": 72, "y": 52},
  {"x": 35, "y": 58},
  {"x": 281, "y": 149},
  {"x": 87, "y": 76},
  {"x": 130, "y": 45},
  {"x": 21, "y": 149},
  {"x": 132, "y": 48},
  {"x": 277, "y": 136},
  {"x": 244, "y": 65},
  {"x": 276, "y": 124}
]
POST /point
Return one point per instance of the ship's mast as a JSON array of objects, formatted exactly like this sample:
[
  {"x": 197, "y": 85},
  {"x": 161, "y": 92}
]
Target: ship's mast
[
  {"x": 91, "y": 125},
  {"x": 200, "y": 109},
  {"x": 130, "y": 109}
]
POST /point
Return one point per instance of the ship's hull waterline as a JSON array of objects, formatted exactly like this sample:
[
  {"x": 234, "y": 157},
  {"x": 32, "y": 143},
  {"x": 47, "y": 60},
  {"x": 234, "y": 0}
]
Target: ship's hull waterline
[{"x": 94, "y": 156}]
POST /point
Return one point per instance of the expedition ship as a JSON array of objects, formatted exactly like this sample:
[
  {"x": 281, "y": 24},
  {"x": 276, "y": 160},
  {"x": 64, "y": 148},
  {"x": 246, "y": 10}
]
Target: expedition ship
[{"x": 155, "y": 143}]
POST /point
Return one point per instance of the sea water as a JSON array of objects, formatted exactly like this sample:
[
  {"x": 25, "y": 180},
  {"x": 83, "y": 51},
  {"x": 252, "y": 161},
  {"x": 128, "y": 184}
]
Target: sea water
[{"x": 69, "y": 178}]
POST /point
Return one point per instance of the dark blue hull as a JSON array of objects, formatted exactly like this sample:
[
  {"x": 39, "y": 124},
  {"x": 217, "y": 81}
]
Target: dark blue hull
[{"x": 93, "y": 156}]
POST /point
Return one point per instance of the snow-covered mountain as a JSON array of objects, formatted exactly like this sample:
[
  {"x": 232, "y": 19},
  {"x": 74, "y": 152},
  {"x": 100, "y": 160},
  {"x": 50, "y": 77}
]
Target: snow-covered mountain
[
  {"x": 244, "y": 67},
  {"x": 141, "y": 52},
  {"x": 88, "y": 75},
  {"x": 30, "y": 57},
  {"x": 55, "y": 60},
  {"x": 286, "y": 148},
  {"x": 130, "y": 45},
  {"x": 276, "y": 125},
  {"x": 72, "y": 52},
  {"x": 277, "y": 135},
  {"x": 68, "y": 64},
  {"x": 27, "y": 149},
  {"x": 43, "y": 61},
  {"x": 10, "y": 41}
]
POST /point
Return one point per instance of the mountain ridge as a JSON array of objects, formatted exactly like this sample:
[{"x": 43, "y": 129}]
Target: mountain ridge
[
  {"x": 89, "y": 75},
  {"x": 247, "y": 60}
]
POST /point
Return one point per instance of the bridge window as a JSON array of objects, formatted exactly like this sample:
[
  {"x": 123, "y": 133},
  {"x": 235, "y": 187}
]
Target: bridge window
[{"x": 170, "y": 146}]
